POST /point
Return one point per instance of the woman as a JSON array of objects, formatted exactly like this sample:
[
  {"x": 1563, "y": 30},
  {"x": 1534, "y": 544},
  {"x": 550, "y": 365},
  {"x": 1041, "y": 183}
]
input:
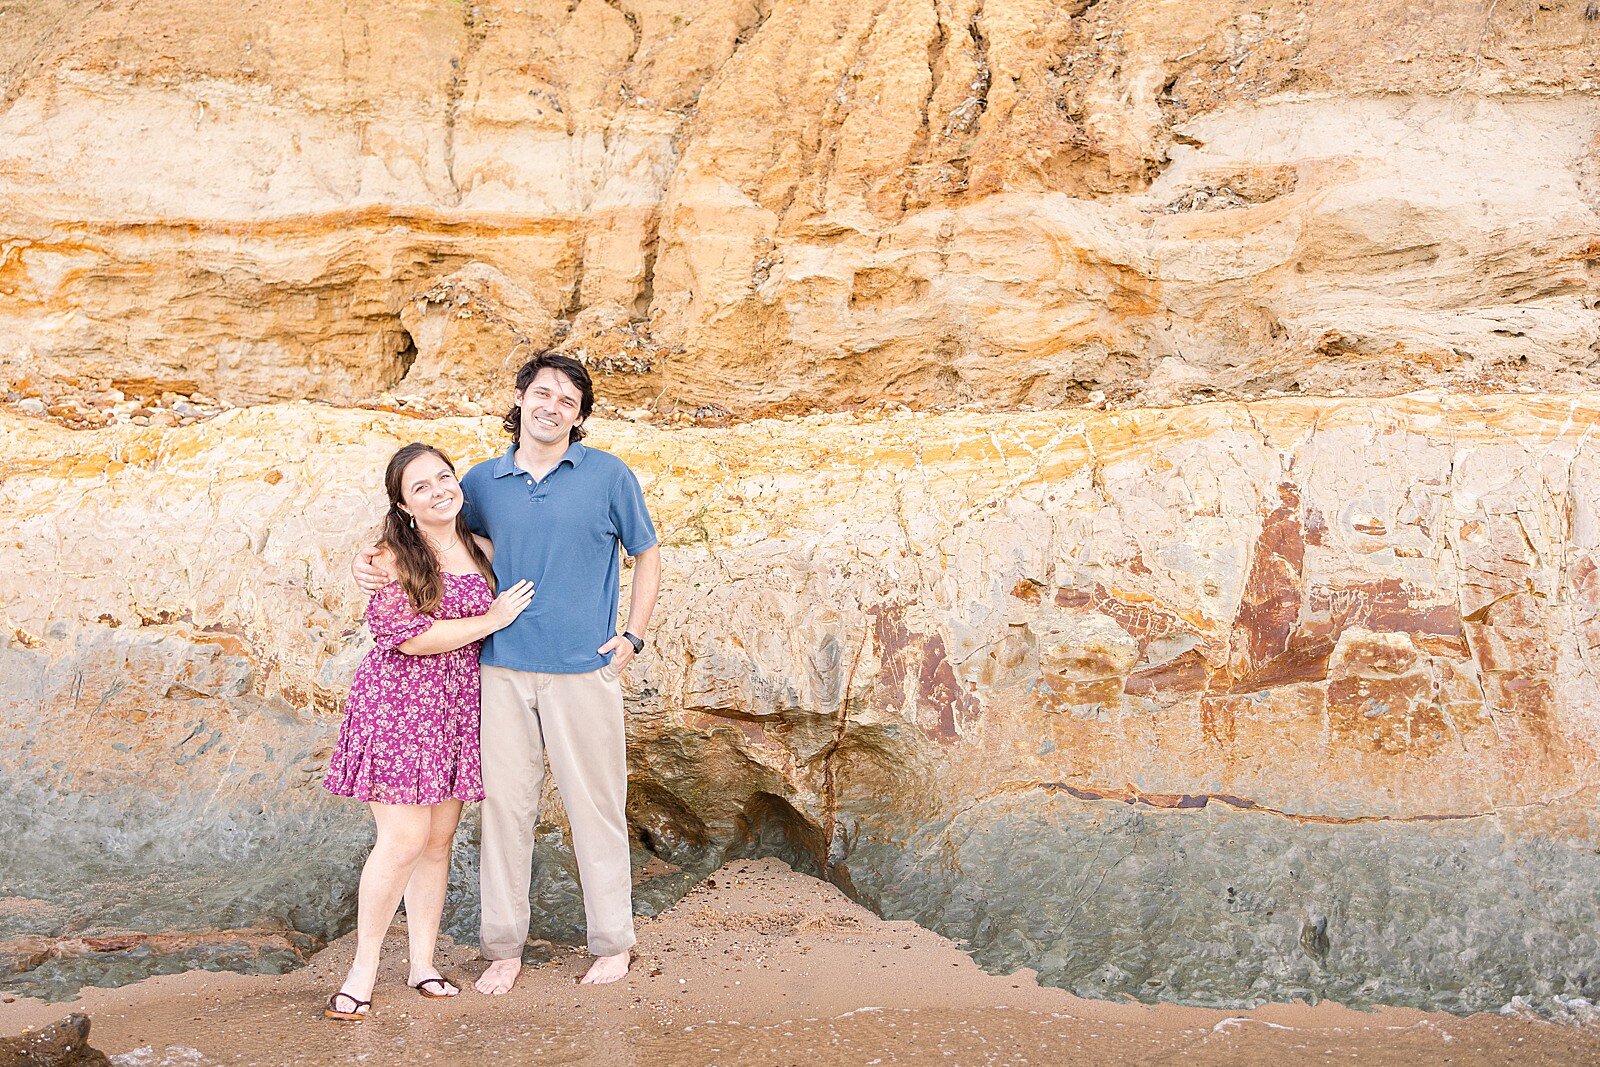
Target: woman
[{"x": 408, "y": 745}]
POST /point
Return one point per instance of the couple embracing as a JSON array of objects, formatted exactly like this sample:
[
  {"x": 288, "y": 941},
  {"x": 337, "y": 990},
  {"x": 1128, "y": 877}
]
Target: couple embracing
[{"x": 498, "y": 592}]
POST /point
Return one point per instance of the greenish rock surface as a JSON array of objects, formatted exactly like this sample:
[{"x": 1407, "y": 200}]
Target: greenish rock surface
[
  {"x": 109, "y": 865},
  {"x": 1227, "y": 908}
]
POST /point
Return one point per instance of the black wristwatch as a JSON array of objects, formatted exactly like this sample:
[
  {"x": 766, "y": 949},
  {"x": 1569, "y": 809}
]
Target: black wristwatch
[{"x": 636, "y": 642}]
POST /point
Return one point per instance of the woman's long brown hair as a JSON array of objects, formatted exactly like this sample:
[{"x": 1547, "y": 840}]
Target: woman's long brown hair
[{"x": 414, "y": 560}]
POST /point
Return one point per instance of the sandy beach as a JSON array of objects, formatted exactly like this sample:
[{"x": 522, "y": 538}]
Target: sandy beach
[{"x": 759, "y": 965}]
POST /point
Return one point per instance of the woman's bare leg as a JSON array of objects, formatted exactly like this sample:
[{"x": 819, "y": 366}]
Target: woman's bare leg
[
  {"x": 425, "y": 893},
  {"x": 402, "y": 839}
]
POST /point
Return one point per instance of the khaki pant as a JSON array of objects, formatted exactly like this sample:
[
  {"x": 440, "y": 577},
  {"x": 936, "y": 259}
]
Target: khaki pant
[{"x": 575, "y": 719}]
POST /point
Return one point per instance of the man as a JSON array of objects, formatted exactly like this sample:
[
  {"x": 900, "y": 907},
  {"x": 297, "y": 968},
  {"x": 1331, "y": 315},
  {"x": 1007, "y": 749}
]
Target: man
[{"x": 556, "y": 511}]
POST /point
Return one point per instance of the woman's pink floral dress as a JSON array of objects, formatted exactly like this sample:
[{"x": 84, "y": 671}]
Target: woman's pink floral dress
[{"x": 410, "y": 730}]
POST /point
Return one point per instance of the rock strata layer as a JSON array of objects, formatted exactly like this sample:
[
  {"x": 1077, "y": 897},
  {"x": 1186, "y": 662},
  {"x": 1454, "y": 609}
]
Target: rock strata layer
[
  {"x": 1216, "y": 703},
  {"x": 747, "y": 205}
]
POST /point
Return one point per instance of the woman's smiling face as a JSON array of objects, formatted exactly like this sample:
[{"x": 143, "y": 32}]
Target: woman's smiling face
[{"x": 430, "y": 492}]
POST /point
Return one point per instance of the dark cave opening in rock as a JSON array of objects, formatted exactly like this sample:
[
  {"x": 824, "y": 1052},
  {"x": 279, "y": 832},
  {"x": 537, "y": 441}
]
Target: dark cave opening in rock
[
  {"x": 664, "y": 826},
  {"x": 771, "y": 826},
  {"x": 405, "y": 356}
]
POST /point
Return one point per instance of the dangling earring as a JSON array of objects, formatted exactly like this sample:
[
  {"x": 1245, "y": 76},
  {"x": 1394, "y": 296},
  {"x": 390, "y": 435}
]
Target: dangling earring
[{"x": 413, "y": 522}]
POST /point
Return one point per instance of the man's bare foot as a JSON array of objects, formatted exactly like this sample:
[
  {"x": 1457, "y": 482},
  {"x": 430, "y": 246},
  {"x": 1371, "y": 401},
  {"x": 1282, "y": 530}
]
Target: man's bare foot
[
  {"x": 607, "y": 969},
  {"x": 499, "y": 977}
]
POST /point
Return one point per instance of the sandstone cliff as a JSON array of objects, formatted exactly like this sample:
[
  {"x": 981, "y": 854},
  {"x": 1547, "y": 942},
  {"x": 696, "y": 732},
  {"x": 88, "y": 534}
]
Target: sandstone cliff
[
  {"x": 895, "y": 306},
  {"x": 734, "y": 205}
]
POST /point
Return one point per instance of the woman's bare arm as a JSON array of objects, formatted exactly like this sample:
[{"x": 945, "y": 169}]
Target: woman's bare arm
[{"x": 447, "y": 635}]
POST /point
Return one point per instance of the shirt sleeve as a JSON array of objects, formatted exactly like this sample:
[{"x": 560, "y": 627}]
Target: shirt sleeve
[
  {"x": 469, "y": 510},
  {"x": 629, "y": 516},
  {"x": 391, "y": 618}
]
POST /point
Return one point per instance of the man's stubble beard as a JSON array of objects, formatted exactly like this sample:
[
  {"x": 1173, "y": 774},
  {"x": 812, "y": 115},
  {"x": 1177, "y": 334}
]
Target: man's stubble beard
[{"x": 531, "y": 428}]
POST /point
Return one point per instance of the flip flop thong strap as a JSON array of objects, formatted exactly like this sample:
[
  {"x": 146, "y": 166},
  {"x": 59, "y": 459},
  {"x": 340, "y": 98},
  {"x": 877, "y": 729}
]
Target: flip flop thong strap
[
  {"x": 440, "y": 982},
  {"x": 333, "y": 1001}
]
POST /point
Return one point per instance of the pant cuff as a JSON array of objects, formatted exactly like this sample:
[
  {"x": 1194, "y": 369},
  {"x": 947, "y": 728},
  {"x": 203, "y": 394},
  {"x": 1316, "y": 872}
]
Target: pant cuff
[
  {"x": 495, "y": 957},
  {"x": 610, "y": 946},
  {"x": 500, "y": 948}
]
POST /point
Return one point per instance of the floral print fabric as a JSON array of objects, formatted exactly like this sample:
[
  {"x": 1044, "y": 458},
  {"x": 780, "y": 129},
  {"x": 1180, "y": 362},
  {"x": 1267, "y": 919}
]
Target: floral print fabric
[{"x": 410, "y": 729}]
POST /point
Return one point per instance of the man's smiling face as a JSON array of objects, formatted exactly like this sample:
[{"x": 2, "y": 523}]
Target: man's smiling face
[{"x": 550, "y": 406}]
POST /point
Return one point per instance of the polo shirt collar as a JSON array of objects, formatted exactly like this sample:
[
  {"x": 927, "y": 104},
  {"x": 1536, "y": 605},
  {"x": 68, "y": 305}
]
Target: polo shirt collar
[{"x": 507, "y": 463}]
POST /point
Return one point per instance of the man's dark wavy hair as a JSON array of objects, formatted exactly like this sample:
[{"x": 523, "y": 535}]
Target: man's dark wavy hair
[{"x": 576, "y": 373}]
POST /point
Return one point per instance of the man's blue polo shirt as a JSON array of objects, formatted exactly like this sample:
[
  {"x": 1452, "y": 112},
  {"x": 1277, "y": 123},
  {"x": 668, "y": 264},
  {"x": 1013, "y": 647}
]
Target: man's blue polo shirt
[{"x": 560, "y": 532}]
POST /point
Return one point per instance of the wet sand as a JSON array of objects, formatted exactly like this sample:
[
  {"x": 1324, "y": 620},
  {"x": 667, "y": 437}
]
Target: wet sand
[{"x": 759, "y": 966}]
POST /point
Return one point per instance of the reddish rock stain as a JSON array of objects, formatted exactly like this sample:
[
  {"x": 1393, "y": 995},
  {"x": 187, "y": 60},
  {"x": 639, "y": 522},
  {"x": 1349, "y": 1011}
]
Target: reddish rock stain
[
  {"x": 1142, "y": 622},
  {"x": 938, "y": 695},
  {"x": 1028, "y": 591},
  {"x": 1186, "y": 673},
  {"x": 1198, "y": 801},
  {"x": 1270, "y": 603},
  {"x": 1386, "y": 715},
  {"x": 1217, "y": 720}
]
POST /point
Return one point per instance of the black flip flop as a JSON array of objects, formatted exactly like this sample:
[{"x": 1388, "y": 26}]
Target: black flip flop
[
  {"x": 353, "y": 1015},
  {"x": 441, "y": 983}
]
